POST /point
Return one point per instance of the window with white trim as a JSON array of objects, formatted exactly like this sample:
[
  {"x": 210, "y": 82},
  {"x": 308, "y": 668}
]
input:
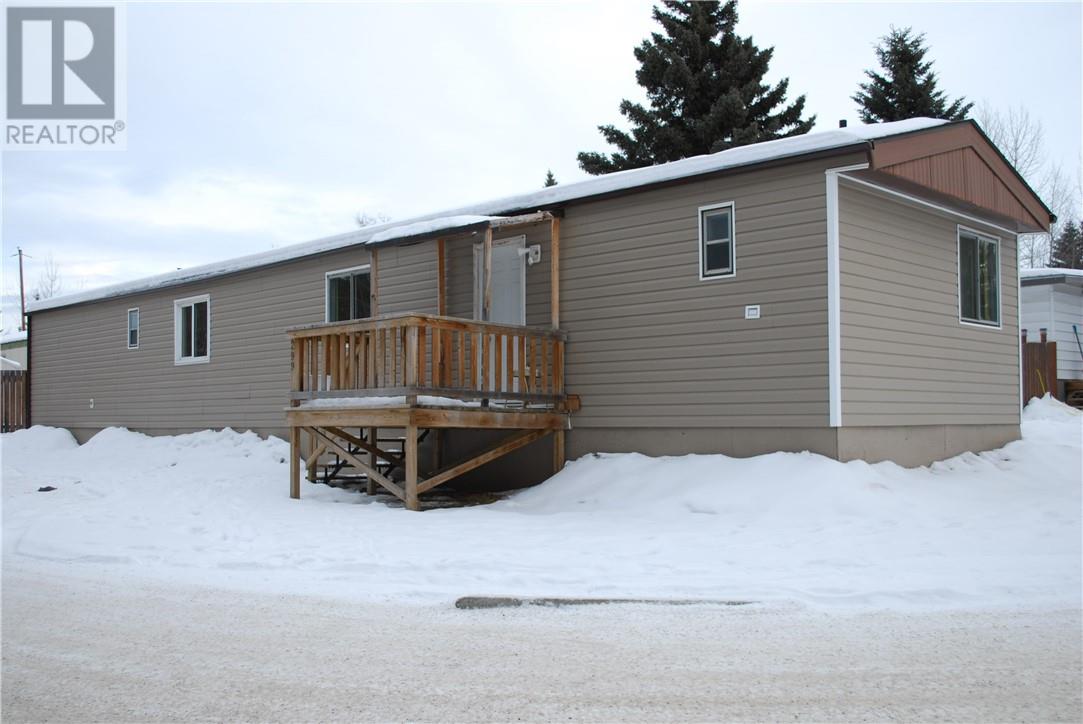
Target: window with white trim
[
  {"x": 979, "y": 278},
  {"x": 716, "y": 241},
  {"x": 192, "y": 330},
  {"x": 348, "y": 294},
  {"x": 133, "y": 328}
]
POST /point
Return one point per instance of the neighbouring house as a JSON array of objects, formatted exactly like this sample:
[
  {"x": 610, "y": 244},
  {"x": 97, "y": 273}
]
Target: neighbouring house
[
  {"x": 1052, "y": 300},
  {"x": 851, "y": 292},
  {"x": 13, "y": 348}
]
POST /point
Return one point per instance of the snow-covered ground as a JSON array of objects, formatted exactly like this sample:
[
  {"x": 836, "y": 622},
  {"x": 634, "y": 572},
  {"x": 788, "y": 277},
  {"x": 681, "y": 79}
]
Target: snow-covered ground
[{"x": 1001, "y": 528}]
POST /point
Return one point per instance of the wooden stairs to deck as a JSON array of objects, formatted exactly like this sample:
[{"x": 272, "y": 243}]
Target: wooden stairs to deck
[{"x": 434, "y": 373}]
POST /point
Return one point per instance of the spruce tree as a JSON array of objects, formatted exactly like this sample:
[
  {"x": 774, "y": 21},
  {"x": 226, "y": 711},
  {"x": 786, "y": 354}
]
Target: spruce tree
[
  {"x": 907, "y": 86},
  {"x": 706, "y": 89},
  {"x": 550, "y": 179},
  {"x": 1067, "y": 251}
]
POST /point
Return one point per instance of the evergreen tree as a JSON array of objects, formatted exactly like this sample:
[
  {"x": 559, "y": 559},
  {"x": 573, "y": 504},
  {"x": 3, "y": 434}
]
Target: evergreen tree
[
  {"x": 907, "y": 87},
  {"x": 706, "y": 89},
  {"x": 1067, "y": 251},
  {"x": 550, "y": 179}
]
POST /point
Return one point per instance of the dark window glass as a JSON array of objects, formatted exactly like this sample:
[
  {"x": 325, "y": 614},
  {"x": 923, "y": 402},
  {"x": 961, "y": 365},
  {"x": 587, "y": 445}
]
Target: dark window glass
[
  {"x": 200, "y": 329},
  {"x": 362, "y": 301},
  {"x": 186, "y": 331},
  {"x": 348, "y": 297},
  {"x": 718, "y": 257},
  {"x": 718, "y": 226},
  {"x": 979, "y": 279},
  {"x": 133, "y": 328},
  {"x": 338, "y": 307}
]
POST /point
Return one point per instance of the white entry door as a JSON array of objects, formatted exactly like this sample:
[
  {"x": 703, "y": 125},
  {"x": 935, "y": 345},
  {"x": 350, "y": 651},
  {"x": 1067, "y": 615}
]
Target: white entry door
[
  {"x": 509, "y": 281},
  {"x": 508, "y": 298}
]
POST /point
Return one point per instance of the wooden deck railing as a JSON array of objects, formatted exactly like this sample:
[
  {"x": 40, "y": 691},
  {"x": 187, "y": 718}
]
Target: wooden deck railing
[{"x": 419, "y": 354}]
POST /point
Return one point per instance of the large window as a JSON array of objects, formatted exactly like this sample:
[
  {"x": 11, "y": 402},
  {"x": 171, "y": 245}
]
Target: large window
[
  {"x": 192, "y": 324},
  {"x": 348, "y": 294},
  {"x": 133, "y": 328},
  {"x": 716, "y": 242},
  {"x": 979, "y": 278}
]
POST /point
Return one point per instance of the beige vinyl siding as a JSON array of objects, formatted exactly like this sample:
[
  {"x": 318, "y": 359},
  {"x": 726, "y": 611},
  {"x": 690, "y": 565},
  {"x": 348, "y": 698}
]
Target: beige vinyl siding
[
  {"x": 651, "y": 345},
  {"x": 407, "y": 278},
  {"x": 80, "y": 353},
  {"x": 906, "y": 358}
]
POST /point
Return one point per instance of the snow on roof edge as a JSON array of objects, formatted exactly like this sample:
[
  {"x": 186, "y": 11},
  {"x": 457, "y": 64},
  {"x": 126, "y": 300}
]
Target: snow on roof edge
[
  {"x": 10, "y": 337},
  {"x": 1050, "y": 272},
  {"x": 778, "y": 149}
]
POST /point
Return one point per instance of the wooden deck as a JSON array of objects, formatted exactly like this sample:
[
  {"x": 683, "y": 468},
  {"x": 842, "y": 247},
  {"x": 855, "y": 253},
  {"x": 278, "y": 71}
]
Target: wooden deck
[{"x": 416, "y": 373}]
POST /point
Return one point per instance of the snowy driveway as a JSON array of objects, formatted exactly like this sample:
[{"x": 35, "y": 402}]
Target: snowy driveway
[{"x": 77, "y": 650}]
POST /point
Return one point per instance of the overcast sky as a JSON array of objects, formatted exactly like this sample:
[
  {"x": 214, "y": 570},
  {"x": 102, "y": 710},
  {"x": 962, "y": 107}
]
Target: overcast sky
[{"x": 255, "y": 126}]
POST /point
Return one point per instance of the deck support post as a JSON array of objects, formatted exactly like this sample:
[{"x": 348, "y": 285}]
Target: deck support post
[
  {"x": 558, "y": 451},
  {"x": 374, "y": 437},
  {"x": 313, "y": 446},
  {"x": 410, "y": 450},
  {"x": 295, "y": 459}
]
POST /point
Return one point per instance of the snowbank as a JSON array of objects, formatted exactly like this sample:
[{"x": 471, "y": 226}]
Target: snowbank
[
  {"x": 1049, "y": 408},
  {"x": 996, "y": 528}
]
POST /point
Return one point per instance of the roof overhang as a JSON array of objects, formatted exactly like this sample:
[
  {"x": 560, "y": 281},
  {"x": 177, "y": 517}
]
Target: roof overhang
[
  {"x": 454, "y": 226},
  {"x": 1037, "y": 277},
  {"x": 922, "y": 195},
  {"x": 958, "y": 160}
]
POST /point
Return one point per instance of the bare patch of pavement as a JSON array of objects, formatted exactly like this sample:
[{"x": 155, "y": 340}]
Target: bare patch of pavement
[{"x": 83, "y": 649}]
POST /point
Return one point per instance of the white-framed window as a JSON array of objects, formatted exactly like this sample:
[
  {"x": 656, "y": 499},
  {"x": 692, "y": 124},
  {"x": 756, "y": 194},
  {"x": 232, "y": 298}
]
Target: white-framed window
[
  {"x": 348, "y": 294},
  {"x": 133, "y": 328},
  {"x": 192, "y": 330},
  {"x": 979, "y": 278},
  {"x": 717, "y": 244}
]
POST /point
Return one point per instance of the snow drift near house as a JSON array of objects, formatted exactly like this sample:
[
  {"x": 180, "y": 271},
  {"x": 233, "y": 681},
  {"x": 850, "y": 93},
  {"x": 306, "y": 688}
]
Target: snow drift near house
[{"x": 996, "y": 528}]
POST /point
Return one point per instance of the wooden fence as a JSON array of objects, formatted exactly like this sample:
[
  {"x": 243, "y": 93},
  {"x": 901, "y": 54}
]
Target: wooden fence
[
  {"x": 1039, "y": 367},
  {"x": 15, "y": 400}
]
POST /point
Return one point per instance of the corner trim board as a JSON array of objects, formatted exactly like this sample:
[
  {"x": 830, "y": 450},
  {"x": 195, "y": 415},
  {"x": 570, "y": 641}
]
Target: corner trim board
[{"x": 834, "y": 302}]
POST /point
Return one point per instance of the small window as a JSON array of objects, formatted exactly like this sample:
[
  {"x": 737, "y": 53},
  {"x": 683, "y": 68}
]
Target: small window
[
  {"x": 133, "y": 328},
  {"x": 979, "y": 278},
  {"x": 192, "y": 342},
  {"x": 716, "y": 242},
  {"x": 348, "y": 294}
]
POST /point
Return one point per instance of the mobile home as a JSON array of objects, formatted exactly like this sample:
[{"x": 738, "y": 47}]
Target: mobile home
[{"x": 851, "y": 292}]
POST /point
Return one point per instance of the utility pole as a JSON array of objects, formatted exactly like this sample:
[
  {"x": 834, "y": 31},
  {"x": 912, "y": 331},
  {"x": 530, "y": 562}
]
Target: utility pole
[{"x": 22, "y": 291}]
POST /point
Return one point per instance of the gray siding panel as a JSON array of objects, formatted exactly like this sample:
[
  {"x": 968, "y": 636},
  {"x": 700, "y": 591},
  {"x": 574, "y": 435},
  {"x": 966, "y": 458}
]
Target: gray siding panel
[
  {"x": 1056, "y": 307},
  {"x": 80, "y": 353},
  {"x": 652, "y": 346},
  {"x": 906, "y": 358}
]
